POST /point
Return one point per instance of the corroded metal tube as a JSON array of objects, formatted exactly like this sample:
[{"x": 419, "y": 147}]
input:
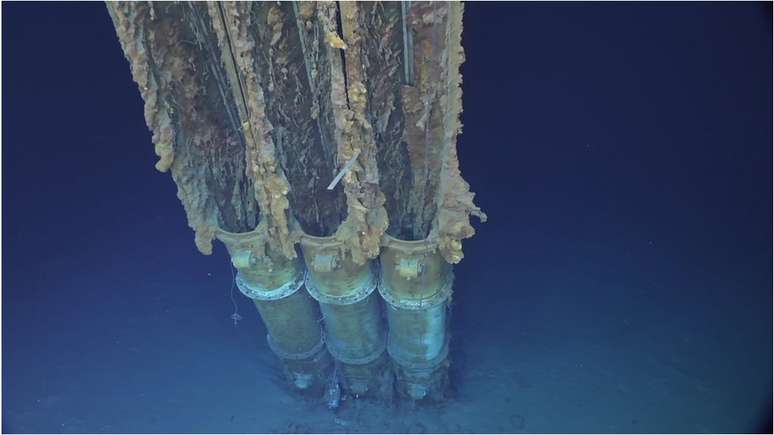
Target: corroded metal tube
[
  {"x": 416, "y": 284},
  {"x": 274, "y": 283},
  {"x": 352, "y": 316}
]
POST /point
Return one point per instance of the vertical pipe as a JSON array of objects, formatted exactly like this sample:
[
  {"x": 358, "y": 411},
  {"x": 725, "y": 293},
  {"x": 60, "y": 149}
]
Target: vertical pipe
[
  {"x": 416, "y": 284},
  {"x": 274, "y": 283},
  {"x": 352, "y": 316}
]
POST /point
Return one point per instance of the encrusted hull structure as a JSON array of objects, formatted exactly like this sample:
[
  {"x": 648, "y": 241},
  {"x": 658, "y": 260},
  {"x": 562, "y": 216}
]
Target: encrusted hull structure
[{"x": 328, "y": 130}]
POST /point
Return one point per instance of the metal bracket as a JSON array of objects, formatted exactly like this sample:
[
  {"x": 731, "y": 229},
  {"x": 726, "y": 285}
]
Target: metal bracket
[
  {"x": 243, "y": 259},
  {"x": 324, "y": 263},
  {"x": 409, "y": 268}
]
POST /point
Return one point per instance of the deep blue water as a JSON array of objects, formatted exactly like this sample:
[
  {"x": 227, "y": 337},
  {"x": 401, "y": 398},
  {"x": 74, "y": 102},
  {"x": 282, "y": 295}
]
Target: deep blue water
[{"x": 623, "y": 283}]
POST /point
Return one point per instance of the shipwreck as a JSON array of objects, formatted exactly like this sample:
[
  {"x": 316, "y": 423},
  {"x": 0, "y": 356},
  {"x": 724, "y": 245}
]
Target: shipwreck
[{"x": 318, "y": 143}]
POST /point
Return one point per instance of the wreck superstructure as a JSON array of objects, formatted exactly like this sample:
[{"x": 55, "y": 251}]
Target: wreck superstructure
[{"x": 317, "y": 142}]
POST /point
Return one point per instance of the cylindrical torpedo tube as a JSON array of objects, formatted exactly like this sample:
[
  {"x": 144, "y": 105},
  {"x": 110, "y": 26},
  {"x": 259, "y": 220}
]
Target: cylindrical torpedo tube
[
  {"x": 275, "y": 284},
  {"x": 416, "y": 284},
  {"x": 351, "y": 311}
]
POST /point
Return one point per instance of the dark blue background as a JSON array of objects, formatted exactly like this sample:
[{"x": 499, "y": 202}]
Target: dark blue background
[{"x": 612, "y": 145}]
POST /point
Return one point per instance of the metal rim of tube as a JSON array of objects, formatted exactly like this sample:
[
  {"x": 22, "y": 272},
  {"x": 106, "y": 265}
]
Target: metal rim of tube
[
  {"x": 354, "y": 297},
  {"x": 362, "y": 360},
  {"x": 418, "y": 304},
  {"x": 426, "y": 245},
  {"x": 296, "y": 356},
  {"x": 263, "y": 294}
]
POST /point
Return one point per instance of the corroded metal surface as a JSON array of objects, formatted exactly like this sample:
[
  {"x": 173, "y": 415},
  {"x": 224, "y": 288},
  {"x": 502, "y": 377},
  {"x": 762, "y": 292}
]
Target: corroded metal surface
[
  {"x": 256, "y": 107},
  {"x": 195, "y": 124}
]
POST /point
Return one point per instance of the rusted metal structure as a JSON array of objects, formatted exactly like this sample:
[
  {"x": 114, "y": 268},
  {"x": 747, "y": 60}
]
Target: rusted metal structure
[{"x": 317, "y": 141}]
